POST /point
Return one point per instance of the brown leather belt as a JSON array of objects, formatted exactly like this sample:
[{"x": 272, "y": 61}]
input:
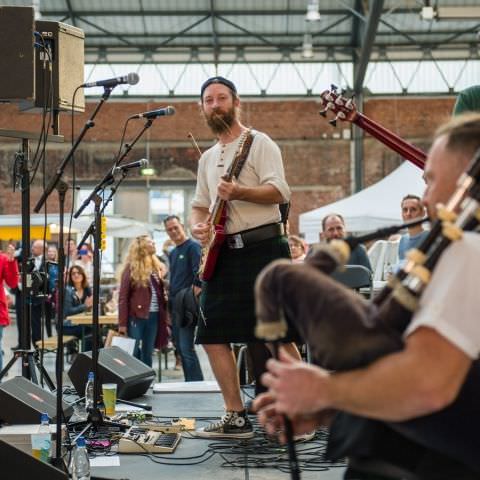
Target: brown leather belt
[{"x": 255, "y": 235}]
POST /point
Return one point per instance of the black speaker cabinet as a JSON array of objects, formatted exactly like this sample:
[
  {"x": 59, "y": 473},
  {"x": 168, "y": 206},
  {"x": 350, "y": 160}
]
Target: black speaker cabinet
[
  {"x": 132, "y": 376},
  {"x": 17, "y": 81},
  {"x": 21, "y": 401},
  {"x": 65, "y": 45},
  {"x": 15, "y": 462}
]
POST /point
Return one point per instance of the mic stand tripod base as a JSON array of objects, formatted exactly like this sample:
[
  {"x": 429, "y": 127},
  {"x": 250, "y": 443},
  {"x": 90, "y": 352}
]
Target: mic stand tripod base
[
  {"x": 95, "y": 421},
  {"x": 30, "y": 359}
]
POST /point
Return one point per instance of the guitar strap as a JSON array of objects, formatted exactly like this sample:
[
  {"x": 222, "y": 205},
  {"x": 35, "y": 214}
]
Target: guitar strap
[{"x": 242, "y": 157}]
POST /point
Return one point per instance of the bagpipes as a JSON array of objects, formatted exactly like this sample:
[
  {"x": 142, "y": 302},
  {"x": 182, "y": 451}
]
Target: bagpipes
[{"x": 345, "y": 331}]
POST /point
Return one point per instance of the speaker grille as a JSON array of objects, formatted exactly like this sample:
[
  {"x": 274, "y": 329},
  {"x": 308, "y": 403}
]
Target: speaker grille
[
  {"x": 17, "y": 81},
  {"x": 23, "y": 402}
]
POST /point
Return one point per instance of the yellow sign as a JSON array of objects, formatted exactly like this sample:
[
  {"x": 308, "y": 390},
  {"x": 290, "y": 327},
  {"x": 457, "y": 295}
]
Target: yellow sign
[{"x": 15, "y": 233}]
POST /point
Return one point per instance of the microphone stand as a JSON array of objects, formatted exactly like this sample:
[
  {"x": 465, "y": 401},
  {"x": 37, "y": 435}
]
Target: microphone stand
[
  {"x": 25, "y": 351},
  {"x": 292, "y": 454},
  {"x": 62, "y": 188},
  {"x": 108, "y": 178},
  {"x": 95, "y": 417}
]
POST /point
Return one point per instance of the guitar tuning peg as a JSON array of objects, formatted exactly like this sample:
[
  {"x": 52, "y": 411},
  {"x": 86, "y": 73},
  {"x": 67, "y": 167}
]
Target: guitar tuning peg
[
  {"x": 333, "y": 122},
  {"x": 328, "y": 106},
  {"x": 342, "y": 91},
  {"x": 349, "y": 103},
  {"x": 333, "y": 87}
]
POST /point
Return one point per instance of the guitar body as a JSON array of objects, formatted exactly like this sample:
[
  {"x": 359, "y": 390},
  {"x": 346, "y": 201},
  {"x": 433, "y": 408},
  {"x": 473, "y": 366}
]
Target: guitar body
[{"x": 212, "y": 251}]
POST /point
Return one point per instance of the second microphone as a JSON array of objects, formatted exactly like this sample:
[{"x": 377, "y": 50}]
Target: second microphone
[{"x": 161, "y": 112}]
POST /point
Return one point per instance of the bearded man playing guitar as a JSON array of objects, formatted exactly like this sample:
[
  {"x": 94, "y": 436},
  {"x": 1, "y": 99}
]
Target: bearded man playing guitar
[{"x": 236, "y": 217}]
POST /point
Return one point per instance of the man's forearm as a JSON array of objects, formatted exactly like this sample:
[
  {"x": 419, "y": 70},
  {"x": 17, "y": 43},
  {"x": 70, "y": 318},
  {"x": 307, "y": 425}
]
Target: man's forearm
[
  {"x": 263, "y": 194},
  {"x": 421, "y": 379},
  {"x": 198, "y": 215}
]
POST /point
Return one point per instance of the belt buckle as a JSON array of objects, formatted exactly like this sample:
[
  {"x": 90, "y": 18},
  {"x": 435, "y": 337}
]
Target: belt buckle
[{"x": 235, "y": 241}]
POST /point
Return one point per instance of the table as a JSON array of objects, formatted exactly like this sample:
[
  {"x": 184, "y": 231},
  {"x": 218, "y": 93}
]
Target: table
[{"x": 83, "y": 320}]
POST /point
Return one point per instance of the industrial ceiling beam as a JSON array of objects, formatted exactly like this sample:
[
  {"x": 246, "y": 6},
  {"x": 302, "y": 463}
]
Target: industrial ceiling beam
[
  {"x": 71, "y": 13},
  {"x": 201, "y": 12},
  {"x": 370, "y": 30}
]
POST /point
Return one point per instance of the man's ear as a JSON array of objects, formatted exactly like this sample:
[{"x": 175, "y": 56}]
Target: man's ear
[{"x": 321, "y": 235}]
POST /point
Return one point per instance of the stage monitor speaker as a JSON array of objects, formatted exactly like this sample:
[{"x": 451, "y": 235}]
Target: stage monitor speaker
[
  {"x": 19, "y": 464},
  {"x": 132, "y": 376},
  {"x": 21, "y": 401},
  {"x": 17, "y": 81},
  {"x": 65, "y": 45}
]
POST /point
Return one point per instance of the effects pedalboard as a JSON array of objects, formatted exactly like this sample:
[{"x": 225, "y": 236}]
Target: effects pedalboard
[{"x": 149, "y": 439}]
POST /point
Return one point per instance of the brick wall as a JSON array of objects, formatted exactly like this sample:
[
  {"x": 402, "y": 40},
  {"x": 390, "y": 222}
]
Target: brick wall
[{"x": 316, "y": 156}]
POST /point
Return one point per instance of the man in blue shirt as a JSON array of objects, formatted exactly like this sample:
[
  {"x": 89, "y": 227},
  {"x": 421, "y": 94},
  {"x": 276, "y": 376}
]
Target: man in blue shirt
[
  {"x": 412, "y": 208},
  {"x": 184, "y": 287}
]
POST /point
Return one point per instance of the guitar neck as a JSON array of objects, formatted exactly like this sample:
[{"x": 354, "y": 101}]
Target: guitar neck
[{"x": 397, "y": 144}]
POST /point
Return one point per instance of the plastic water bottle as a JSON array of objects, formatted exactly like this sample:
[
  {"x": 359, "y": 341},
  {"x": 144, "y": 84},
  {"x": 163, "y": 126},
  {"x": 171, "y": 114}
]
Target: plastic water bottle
[
  {"x": 42, "y": 440},
  {"x": 89, "y": 392},
  {"x": 80, "y": 461}
]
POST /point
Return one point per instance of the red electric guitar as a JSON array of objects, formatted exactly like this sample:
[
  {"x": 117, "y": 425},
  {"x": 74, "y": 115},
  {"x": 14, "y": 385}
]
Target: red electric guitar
[{"x": 346, "y": 110}]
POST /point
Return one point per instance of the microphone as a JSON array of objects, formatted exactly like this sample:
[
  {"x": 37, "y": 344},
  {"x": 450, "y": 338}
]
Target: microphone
[
  {"x": 138, "y": 164},
  {"x": 156, "y": 113},
  {"x": 132, "y": 79}
]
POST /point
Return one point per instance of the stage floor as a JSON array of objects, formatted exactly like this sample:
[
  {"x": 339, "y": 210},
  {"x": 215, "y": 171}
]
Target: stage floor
[
  {"x": 196, "y": 459},
  {"x": 201, "y": 459}
]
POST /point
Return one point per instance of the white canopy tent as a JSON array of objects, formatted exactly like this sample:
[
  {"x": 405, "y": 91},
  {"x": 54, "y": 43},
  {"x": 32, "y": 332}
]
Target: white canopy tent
[{"x": 374, "y": 207}]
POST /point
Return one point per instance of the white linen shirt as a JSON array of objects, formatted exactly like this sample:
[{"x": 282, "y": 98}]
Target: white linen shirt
[{"x": 263, "y": 167}]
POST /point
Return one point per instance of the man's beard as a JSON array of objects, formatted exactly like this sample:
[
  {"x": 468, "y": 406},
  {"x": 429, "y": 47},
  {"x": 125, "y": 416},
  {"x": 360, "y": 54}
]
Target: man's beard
[{"x": 220, "y": 122}]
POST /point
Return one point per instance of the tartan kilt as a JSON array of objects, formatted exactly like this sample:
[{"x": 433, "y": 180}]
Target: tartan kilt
[{"x": 227, "y": 303}]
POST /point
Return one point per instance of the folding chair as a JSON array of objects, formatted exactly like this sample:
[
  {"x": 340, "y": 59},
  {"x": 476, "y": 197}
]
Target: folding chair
[{"x": 356, "y": 277}]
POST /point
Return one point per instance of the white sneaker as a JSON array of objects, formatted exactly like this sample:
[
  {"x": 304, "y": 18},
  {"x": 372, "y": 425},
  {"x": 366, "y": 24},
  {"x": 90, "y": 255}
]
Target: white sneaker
[{"x": 231, "y": 425}]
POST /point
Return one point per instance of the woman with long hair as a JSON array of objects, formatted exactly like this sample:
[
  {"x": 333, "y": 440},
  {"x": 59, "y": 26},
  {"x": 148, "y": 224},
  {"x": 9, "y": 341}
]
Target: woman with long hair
[
  {"x": 78, "y": 299},
  {"x": 141, "y": 300}
]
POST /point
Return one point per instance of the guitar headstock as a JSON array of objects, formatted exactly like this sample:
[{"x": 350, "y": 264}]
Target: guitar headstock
[{"x": 334, "y": 101}]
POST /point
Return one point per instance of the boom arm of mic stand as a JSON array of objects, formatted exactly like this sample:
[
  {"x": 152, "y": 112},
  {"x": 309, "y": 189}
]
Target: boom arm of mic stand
[
  {"x": 61, "y": 168},
  {"x": 129, "y": 146},
  {"x": 89, "y": 232},
  {"x": 108, "y": 178},
  {"x": 91, "y": 228}
]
